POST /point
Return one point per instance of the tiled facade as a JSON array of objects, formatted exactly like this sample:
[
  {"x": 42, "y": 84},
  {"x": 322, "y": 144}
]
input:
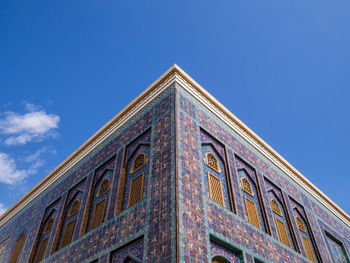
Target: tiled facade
[{"x": 180, "y": 216}]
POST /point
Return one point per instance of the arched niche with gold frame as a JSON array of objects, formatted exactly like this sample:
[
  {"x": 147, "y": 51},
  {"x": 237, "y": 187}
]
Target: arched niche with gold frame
[
  {"x": 246, "y": 186},
  {"x": 104, "y": 187},
  {"x": 212, "y": 162},
  {"x": 139, "y": 162},
  {"x": 300, "y": 224},
  {"x": 75, "y": 208},
  {"x": 275, "y": 207}
]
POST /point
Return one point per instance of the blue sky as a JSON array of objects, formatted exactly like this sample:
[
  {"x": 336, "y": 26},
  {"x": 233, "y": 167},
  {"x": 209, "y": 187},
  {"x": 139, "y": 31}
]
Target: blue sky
[{"x": 67, "y": 67}]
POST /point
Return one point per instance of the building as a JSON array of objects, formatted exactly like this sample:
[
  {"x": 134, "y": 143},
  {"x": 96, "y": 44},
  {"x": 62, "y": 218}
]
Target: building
[{"x": 175, "y": 177}]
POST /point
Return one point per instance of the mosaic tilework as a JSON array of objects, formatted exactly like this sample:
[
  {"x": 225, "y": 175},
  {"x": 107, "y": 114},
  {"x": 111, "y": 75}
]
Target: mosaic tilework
[
  {"x": 201, "y": 118},
  {"x": 329, "y": 220},
  {"x": 123, "y": 226},
  {"x": 337, "y": 250},
  {"x": 217, "y": 249},
  {"x": 159, "y": 238},
  {"x": 131, "y": 253},
  {"x": 226, "y": 224},
  {"x": 105, "y": 236},
  {"x": 193, "y": 239}
]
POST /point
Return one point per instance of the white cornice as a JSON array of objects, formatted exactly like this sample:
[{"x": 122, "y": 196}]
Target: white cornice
[{"x": 161, "y": 84}]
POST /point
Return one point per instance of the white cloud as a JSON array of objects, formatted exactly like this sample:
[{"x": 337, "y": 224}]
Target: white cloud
[
  {"x": 9, "y": 174},
  {"x": 2, "y": 208},
  {"x": 35, "y": 125}
]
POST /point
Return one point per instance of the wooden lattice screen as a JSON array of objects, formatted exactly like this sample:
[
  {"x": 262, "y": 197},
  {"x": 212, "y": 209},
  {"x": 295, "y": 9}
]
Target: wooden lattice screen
[
  {"x": 215, "y": 189},
  {"x": 136, "y": 189},
  {"x": 252, "y": 213}
]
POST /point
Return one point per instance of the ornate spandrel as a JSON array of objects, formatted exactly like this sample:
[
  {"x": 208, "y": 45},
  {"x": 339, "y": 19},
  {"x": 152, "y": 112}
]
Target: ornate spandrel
[
  {"x": 139, "y": 162},
  {"x": 246, "y": 186},
  {"x": 212, "y": 162}
]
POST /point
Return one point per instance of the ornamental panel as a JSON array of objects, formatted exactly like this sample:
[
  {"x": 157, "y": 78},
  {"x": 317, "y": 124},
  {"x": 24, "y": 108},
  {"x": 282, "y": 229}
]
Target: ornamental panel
[
  {"x": 17, "y": 249},
  {"x": 42, "y": 250},
  {"x": 212, "y": 162},
  {"x": 246, "y": 186},
  {"x": 215, "y": 189},
  {"x": 282, "y": 232},
  {"x": 275, "y": 207},
  {"x": 49, "y": 226},
  {"x": 300, "y": 224},
  {"x": 68, "y": 233},
  {"x": 252, "y": 212},
  {"x": 99, "y": 213},
  {"x": 139, "y": 162},
  {"x": 104, "y": 187},
  {"x": 307, "y": 246},
  {"x": 136, "y": 190},
  {"x": 75, "y": 208}
]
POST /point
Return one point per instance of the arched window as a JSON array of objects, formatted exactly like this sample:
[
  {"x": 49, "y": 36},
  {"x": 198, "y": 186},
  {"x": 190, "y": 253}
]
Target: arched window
[
  {"x": 280, "y": 221},
  {"x": 17, "y": 249},
  {"x": 44, "y": 239},
  {"x": 217, "y": 181},
  {"x": 136, "y": 175},
  {"x": 305, "y": 237},
  {"x": 251, "y": 195},
  {"x": 100, "y": 195}
]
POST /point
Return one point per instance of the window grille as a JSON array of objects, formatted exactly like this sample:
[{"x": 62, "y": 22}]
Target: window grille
[
  {"x": 68, "y": 233},
  {"x": 139, "y": 162},
  {"x": 99, "y": 213},
  {"x": 136, "y": 190},
  {"x": 212, "y": 162},
  {"x": 252, "y": 213},
  {"x": 307, "y": 246},
  {"x": 42, "y": 250},
  {"x": 215, "y": 189},
  {"x": 282, "y": 232},
  {"x": 17, "y": 249}
]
